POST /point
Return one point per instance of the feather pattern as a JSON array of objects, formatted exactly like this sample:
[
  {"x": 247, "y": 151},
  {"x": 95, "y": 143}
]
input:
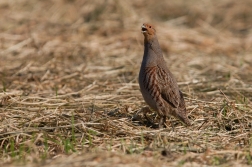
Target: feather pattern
[{"x": 157, "y": 84}]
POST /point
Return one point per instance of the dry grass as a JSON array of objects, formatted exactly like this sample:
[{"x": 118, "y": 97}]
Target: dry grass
[{"x": 69, "y": 91}]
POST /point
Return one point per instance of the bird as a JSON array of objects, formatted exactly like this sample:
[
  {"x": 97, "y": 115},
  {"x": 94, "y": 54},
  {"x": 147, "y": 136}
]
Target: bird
[{"x": 157, "y": 84}]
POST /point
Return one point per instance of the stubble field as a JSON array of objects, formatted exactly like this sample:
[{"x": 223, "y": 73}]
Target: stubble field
[{"x": 69, "y": 92}]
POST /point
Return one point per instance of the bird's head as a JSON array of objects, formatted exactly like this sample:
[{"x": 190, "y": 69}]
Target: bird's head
[{"x": 148, "y": 31}]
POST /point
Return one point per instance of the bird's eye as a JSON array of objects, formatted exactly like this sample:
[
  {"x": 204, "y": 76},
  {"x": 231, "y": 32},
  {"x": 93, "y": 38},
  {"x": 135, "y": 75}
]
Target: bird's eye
[{"x": 149, "y": 26}]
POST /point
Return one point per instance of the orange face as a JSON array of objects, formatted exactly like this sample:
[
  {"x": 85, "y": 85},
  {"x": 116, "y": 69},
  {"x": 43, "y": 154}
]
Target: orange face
[
  {"x": 148, "y": 31},
  {"x": 148, "y": 28}
]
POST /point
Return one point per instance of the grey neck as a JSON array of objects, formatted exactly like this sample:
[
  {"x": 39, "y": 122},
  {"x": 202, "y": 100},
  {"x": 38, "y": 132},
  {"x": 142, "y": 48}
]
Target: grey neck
[{"x": 152, "y": 53}]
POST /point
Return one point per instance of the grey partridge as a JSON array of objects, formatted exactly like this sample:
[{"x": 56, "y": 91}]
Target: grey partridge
[{"x": 157, "y": 84}]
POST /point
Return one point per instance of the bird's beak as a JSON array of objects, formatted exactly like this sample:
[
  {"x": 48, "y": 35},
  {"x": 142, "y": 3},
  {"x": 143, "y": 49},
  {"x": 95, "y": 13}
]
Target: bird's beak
[{"x": 144, "y": 29}]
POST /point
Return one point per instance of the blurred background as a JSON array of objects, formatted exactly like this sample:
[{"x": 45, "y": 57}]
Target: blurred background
[
  {"x": 74, "y": 42},
  {"x": 69, "y": 79}
]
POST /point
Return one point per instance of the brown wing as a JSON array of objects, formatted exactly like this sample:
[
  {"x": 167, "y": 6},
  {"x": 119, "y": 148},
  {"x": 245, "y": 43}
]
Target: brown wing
[
  {"x": 169, "y": 88},
  {"x": 182, "y": 106}
]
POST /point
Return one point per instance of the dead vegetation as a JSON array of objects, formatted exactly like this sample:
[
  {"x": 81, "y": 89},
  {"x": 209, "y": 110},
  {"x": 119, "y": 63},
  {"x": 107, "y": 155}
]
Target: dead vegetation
[{"x": 69, "y": 93}]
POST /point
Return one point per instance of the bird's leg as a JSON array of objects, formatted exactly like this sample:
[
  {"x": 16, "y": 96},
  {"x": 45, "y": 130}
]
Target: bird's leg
[
  {"x": 165, "y": 121},
  {"x": 162, "y": 121},
  {"x": 146, "y": 110},
  {"x": 172, "y": 124}
]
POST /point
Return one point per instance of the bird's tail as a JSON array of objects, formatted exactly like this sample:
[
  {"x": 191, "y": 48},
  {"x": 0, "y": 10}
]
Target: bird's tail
[
  {"x": 183, "y": 118},
  {"x": 182, "y": 114}
]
